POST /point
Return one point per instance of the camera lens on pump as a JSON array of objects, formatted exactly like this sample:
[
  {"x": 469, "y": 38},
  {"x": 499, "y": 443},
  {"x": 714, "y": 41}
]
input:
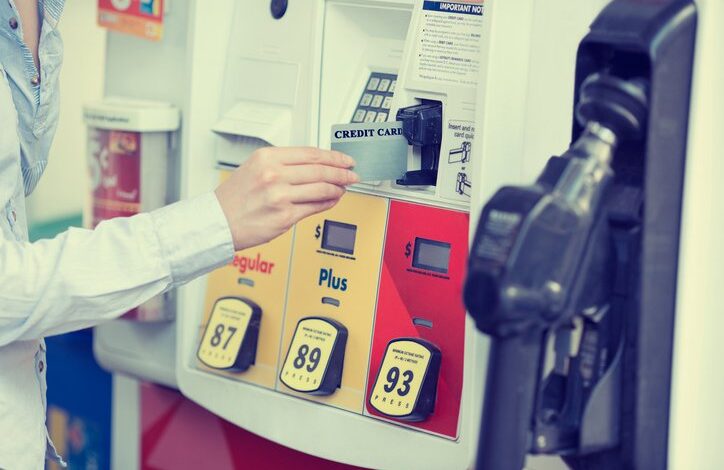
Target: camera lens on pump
[{"x": 278, "y": 8}]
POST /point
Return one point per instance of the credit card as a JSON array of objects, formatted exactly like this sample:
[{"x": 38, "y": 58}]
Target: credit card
[{"x": 379, "y": 148}]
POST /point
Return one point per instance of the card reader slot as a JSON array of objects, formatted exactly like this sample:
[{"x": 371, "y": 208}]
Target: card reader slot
[
  {"x": 422, "y": 322},
  {"x": 246, "y": 281},
  {"x": 422, "y": 127}
]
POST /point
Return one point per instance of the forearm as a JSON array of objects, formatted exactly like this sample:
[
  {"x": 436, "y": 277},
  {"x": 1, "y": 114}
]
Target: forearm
[{"x": 83, "y": 277}]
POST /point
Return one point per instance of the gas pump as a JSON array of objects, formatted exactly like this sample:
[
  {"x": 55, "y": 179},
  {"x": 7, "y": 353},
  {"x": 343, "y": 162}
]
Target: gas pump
[
  {"x": 574, "y": 277},
  {"x": 351, "y": 327}
]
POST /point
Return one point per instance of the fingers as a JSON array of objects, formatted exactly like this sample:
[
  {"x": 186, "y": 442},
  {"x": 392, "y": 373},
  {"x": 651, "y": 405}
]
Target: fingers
[
  {"x": 314, "y": 192},
  {"x": 310, "y": 208},
  {"x": 304, "y": 174},
  {"x": 311, "y": 155}
]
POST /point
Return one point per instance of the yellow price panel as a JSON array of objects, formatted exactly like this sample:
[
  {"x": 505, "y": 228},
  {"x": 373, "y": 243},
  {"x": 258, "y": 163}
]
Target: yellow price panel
[
  {"x": 315, "y": 358},
  {"x": 229, "y": 341},
  {"x": 334, "y": 274},
  {"x": 406, "y": 384}
]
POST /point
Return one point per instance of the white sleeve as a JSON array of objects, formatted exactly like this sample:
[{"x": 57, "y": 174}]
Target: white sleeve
[{"x": 83, "y": 277}]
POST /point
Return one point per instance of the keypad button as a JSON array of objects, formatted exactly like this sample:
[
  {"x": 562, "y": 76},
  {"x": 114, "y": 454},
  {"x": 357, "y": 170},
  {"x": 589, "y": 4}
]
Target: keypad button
[
  {"x": 393, "y": 84},
  {"x": 377, "y": 101},
  {"x": 384, "y": 84},
  {"x": 387, "y": 103},
  {"x": 381, "y": 117},
  {"x": 366, "y": 99},
  {"x": 359, "y": 115},
  {"x": 371, "y": 116},
  {"x": 373, "y": 83}
]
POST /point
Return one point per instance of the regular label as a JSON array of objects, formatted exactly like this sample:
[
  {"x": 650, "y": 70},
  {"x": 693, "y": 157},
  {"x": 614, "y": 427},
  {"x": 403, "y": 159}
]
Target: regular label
[
  {"x": 309, "y": 355},
  {"x": 225, "y": 332},
  {"x": 399, "y": 381},
  {"x": 448, "y": 47}
]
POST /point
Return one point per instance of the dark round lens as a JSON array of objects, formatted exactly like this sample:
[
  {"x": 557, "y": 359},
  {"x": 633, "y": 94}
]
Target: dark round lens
[{"x": 278, "y": 8}]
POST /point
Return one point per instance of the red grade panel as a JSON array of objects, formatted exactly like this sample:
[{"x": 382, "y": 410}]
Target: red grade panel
[{"x": 407, "y": 293}]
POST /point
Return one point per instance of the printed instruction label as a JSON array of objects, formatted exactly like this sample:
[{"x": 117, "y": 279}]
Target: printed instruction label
[
  {"x": 448, "y": 48},
  {"x": 455, "y": 158}
]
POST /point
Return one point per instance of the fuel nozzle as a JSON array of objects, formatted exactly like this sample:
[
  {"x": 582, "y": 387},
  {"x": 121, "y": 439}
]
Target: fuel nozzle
[
  {"x": 511, "y": 282},
  {"x": 540, "y": 253},
  {"x": 611, "y": 110}
]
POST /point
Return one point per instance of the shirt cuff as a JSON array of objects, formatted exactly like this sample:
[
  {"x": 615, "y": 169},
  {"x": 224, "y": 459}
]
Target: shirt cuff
[{"x": 195, "y": 237}]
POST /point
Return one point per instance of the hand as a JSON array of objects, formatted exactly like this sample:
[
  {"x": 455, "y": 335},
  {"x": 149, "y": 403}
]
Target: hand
[{"x": 276, "y": 187}]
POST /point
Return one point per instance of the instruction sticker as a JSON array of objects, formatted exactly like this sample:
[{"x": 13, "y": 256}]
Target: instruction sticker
[
  {"x": 380, "y": 149},
  {"x": 456, "y": 156},
  {"x": 448, "y": 50}
]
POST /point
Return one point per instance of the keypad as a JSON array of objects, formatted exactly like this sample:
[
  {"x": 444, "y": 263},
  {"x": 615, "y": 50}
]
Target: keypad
[{"x": 376, "y": 100}]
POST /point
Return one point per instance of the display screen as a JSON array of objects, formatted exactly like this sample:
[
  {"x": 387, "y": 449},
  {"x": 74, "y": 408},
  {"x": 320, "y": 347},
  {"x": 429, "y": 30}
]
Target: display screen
[
  {"x": 339, "y": 237},
  {"x": 431, "y": 255}
]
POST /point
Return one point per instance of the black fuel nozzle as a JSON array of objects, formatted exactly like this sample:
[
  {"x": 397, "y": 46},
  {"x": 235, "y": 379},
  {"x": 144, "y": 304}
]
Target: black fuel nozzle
[
  {"x": 537, "y": 258},
  {"x": 422, "y": 127}
]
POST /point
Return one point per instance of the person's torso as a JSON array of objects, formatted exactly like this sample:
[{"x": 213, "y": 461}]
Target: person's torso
[{"x": 29, "y": 115}]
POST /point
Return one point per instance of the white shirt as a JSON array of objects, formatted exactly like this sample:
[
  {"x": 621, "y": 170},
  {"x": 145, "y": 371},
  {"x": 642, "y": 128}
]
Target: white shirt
[{"x": 81, "y": 277}]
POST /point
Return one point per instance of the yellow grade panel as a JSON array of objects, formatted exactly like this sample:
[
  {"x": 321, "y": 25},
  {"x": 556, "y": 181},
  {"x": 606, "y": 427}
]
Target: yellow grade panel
[
  {"x": 400, "y": 378},
  {"x": 224, "y": 333},
  {"x": 309, "y": 355},
  {"x": 333, "y": 282},
  {"x": 259, "y": 274}
]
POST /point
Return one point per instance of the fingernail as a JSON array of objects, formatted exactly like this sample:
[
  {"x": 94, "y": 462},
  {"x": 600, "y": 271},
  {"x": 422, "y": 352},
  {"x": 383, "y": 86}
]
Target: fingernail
[
  {"x": 349, "y": 160},
  {"x": 353, "y": 177}
]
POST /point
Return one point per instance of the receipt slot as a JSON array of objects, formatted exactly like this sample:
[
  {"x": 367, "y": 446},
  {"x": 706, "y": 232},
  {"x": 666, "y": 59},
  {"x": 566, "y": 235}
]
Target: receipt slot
[
  {"x": 334, "y": 275},
  {"x": 243, "y": 315},
  {"x": 417, "y": 358}
]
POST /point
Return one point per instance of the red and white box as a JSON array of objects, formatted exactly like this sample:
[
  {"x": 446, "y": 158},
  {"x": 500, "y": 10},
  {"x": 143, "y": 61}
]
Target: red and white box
[{"x": 130, "y": 150}]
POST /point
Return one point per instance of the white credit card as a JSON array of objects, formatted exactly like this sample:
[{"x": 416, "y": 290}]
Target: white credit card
[{"x": 379, "y": 148}]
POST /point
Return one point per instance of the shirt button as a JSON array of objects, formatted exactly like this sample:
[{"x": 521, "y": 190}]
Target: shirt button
[
  {"x": 13, "y": 23},
  {"x": 41, "y": 366},
  {"x": 35, "y": 81}
]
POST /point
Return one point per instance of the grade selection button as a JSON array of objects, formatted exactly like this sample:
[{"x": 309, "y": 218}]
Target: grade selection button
[
  {"x": 230, "y": 339},
  {"x": 406, "y": 384},
  {"x": 315, "y": 358}
]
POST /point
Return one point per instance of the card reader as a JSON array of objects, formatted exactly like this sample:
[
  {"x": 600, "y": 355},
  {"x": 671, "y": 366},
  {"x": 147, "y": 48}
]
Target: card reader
[{"x": 422, "y": 127}]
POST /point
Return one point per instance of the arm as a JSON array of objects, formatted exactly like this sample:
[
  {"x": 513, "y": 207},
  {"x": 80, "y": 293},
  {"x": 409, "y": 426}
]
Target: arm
[{"x": 83, "y": 277}]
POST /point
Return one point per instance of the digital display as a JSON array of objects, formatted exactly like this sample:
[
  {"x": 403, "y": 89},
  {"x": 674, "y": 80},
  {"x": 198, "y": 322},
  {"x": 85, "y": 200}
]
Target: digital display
[
  {"x": 339, "y": 237},
  {"x": 431, "y": 255}
]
